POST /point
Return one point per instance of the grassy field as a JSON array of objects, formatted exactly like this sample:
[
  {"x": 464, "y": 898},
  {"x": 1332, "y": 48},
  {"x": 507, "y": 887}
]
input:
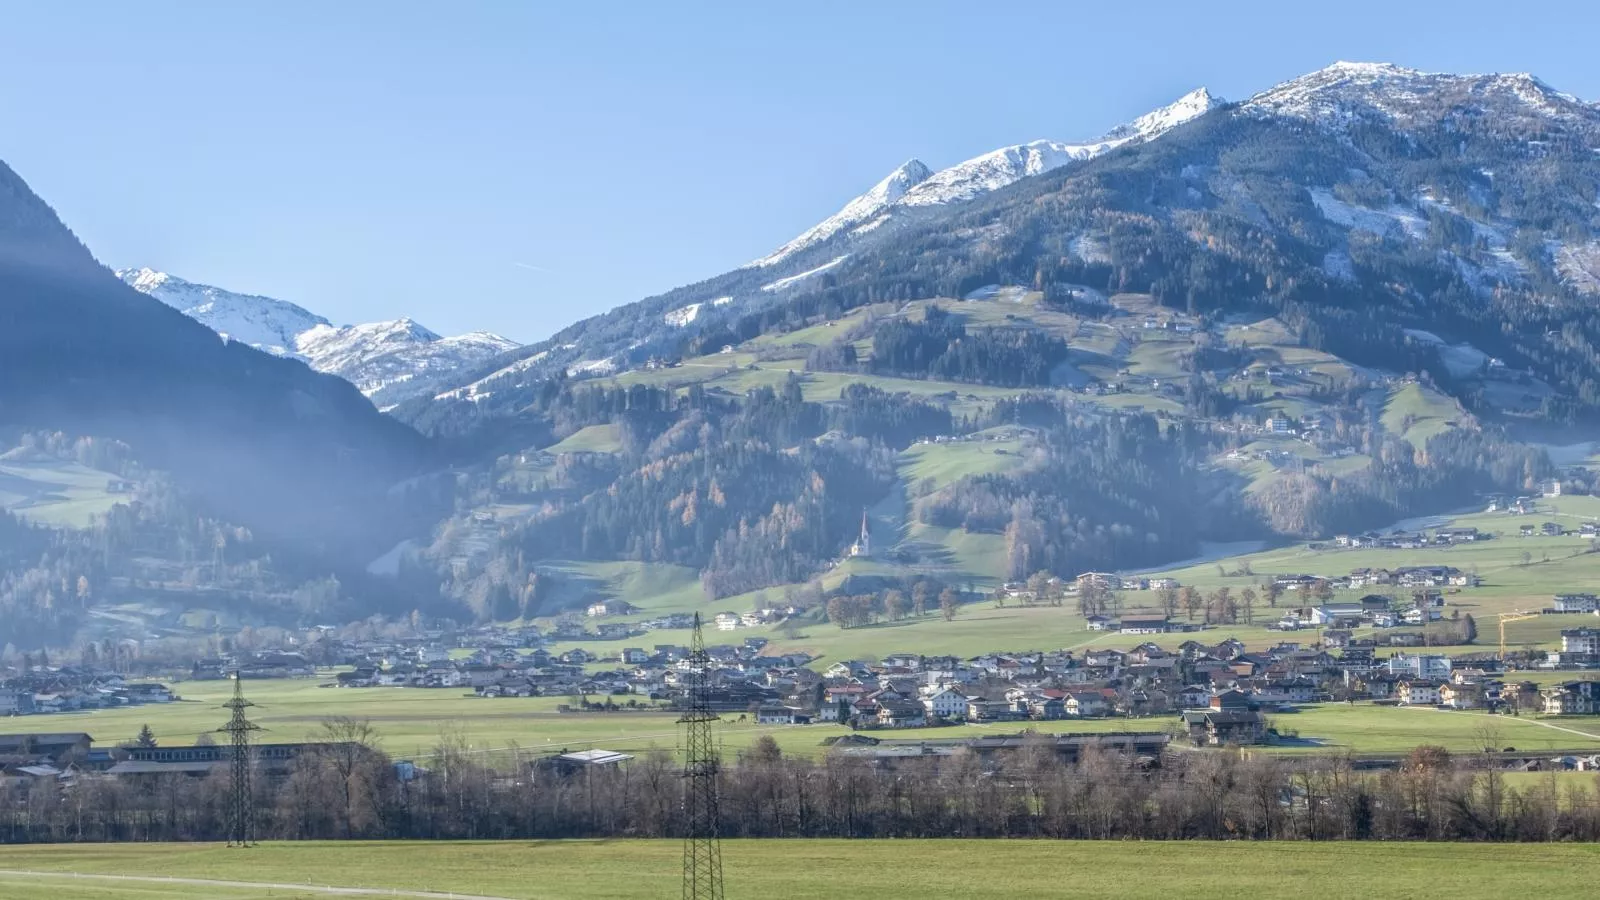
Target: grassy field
[
  {"x": 1416, "y": 413},
  {"x": 1518, "y": 573},
  {"x": 942, "y": 464},
  {"x": 410, "y": 721},
  {"x": 55, "y": 492},
  {"x": 591, "y": 439},
  {"x": 816, "y": 869},
  {"x": 1364, "y": 728}
]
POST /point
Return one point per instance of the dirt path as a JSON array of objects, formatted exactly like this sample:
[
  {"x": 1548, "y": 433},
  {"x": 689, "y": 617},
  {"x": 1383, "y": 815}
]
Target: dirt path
[{"x": 253, "y": 885}]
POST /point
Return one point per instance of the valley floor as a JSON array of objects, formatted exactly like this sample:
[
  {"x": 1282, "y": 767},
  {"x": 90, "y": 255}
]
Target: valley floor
[
  {"x": 409, "y": 723},
  {"x": 803, "y": 870}
]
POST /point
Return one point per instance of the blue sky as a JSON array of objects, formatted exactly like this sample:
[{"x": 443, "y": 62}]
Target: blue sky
[{"x": 517, "y": 166}]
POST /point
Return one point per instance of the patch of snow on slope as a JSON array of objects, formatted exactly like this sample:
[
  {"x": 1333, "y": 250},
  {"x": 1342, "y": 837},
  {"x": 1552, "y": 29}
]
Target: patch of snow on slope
[
  {"x": 592, "y": 367},
  {"x": 1000, "y": 293},
  {"x": 1499, "y": 262},
  {"x": 722, "y": 301},
  {"x": 683, "y": 315},
  {"x": 475, "y": 390},
  {"x": 1460, "y": 359},
  {"x": 782, "y": 283},
  {"x": 870, "y": 226},
  {"x": 1359, "y": 218},
  {"x": 1090, "y": 249},
  {"x": 1579, "y": 265},
  {"x": 1337, "y": 265}
]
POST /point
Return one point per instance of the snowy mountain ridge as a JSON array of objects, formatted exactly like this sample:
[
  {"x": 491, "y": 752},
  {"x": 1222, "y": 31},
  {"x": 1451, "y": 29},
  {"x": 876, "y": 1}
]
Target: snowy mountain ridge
[
  {"x": 264, "y": 323},
  {"x": 1346, "y": 93},
  {"x": 387, "y": 361},
  {"x": 913, "y": 184}
]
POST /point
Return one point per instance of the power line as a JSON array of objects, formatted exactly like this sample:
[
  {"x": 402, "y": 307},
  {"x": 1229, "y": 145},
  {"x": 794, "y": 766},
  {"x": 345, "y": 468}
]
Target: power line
[
  {"x": 241, "y": 801},
  {"x": 702, "y": 844}
]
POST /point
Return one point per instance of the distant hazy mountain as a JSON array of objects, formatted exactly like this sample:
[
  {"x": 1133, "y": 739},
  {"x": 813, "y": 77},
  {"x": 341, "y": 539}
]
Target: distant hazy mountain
[
  {"x": 256, "y": 439},
  {"x": 388, "y": 361}
]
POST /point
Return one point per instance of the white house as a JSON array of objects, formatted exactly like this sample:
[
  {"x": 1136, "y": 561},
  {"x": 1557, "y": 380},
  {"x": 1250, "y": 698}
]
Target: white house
[
  {"x": 781, "y": 715},
  {"x": 1576, "y": 603},
  {"x": 726, "y": 621},
  {"x": 1419, "y": 693},
  {"x": 1086, "y": 705},
  {"x": 1419, "y": 666},
  {"x": 945, "y": 703},
  {"x": 1581, "y": 640},
  {"x": 1329, "y": 613}
]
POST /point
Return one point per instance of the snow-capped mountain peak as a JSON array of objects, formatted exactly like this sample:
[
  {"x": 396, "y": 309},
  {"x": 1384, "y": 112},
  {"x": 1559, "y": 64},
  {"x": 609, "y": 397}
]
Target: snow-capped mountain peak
[
  {"x": 858, "y": 213},
  {"x": 1192, "y": 105},
  {"x": 388, "y": 361},
  {"x": 913, "y": 185},
  {"x": 1348, "y": 92},
  {"x": 262, "y": 322}
]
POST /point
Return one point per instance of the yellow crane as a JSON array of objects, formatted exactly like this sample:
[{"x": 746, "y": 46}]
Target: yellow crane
[{"x": 1517, "y": 616}]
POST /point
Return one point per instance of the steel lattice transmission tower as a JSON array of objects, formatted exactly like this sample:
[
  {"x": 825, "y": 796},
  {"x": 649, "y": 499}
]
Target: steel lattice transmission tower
[
  {"x": 702, "y": 846},
  {"x": 241, "y": 801}
]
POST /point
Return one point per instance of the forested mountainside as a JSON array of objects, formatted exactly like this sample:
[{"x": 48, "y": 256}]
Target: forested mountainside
[
  {"x": 1327, "y": 308},
  {"x": 1312, "y": 311},
  {"x": 1358, "y": 201}
]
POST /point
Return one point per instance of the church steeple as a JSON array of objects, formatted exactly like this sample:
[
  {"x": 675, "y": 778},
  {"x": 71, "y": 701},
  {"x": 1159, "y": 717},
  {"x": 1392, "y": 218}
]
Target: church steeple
[{"x": 863, "y": 544}]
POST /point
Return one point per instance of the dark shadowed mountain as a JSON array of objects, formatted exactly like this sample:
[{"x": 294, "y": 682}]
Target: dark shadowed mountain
[{"x": 260, "y": 440}]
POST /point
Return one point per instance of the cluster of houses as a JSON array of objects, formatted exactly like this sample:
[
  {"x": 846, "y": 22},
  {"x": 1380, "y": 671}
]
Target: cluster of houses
[
  {"x": 744, "y": 674},
  {"x": 74, "y": 689},
  {"x": 1523, "y": 505},
  {"x": 1410, "y": 540},
  {"x": 1586, "y": 530},
  {"x": 1222, "y": 691},
  {"x": 1373, "y": 610},
  {"x": 1113, "y": 582}
]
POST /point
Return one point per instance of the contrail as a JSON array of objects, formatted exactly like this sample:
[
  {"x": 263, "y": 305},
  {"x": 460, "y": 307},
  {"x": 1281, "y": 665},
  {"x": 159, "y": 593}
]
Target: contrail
[{"x": 523, "y": 265}]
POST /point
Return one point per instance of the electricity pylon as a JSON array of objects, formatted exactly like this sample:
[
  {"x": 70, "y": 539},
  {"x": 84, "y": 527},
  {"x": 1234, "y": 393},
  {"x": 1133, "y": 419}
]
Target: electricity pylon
[
  {"x": 702, "y": 846},
  {"x": 241, "y": 802}
]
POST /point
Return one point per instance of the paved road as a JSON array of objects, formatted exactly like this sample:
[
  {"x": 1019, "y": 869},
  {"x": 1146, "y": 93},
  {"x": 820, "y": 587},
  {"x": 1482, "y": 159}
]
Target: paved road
[{"x": 252, "y": 885}]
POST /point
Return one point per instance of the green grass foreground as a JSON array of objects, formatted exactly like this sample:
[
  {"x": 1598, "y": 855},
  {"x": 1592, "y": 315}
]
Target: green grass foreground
[{"x": 804, "y": 869}]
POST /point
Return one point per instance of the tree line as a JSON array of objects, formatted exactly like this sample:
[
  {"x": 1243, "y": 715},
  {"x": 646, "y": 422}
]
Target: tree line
[{"x": 351, "y": 790}]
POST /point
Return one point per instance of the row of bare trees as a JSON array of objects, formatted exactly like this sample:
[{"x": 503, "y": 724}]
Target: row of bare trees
[{"x": 350, "y": 790}]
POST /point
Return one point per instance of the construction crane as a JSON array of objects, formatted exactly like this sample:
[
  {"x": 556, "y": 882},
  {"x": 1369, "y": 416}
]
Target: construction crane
[{"x": 1517, "y": 616}]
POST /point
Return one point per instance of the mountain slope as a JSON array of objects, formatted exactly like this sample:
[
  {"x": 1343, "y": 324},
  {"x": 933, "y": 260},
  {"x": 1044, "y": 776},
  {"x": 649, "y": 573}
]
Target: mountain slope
[
  {"x": 1356, "y": 201},
  {"x": 662, "y": 326},
  {"x": 914, "y": 185},
  {"x": 1321, "y": 311},
  {"x": 262, "y": 322},
  {"x": 390, "y": 362},
  {"x": 260, "y": 440}
]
